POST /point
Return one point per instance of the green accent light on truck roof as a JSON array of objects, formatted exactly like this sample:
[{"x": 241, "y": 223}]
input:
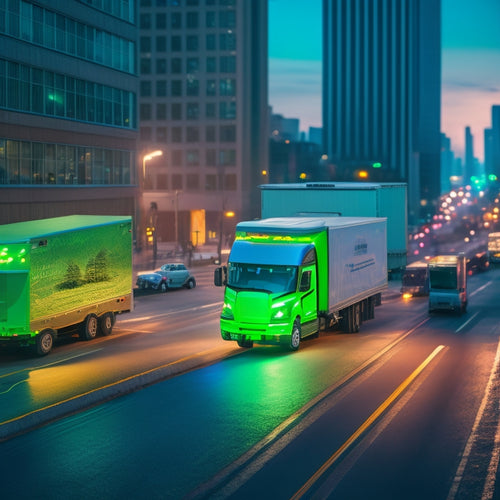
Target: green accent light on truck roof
[{"x": 270, "y": 238}]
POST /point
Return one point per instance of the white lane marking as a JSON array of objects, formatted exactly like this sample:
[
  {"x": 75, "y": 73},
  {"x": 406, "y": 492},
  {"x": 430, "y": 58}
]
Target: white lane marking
[
  {"x": 466, "y": 323},
  {"x": 474, "y": 433},
  {"x": 480, "y": 289}
]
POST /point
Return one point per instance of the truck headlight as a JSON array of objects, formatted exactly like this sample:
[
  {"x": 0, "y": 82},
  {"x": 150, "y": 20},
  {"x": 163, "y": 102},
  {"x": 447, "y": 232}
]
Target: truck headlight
[
  {"x": 227, "y": 312},
  {"x": 280, "y": 312}
]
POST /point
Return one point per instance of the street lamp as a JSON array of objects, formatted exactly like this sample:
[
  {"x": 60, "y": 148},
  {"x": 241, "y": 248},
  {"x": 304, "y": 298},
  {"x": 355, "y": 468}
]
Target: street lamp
[{"x": 146, "y": 158}]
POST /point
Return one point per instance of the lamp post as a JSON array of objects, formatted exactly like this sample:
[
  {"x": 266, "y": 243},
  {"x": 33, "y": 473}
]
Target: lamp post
[
  {"x": 146, "y": 158},
  {"x": 151, "y": 227}
]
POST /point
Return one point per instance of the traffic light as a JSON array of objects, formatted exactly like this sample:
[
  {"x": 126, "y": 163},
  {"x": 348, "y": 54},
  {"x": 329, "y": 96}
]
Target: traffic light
[{"x": 150, "y": 231}]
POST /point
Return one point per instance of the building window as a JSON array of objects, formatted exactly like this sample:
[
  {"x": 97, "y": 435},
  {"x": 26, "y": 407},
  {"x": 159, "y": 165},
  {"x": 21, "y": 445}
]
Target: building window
[
  {"x": 145, "y": 111},
  {"x": 227, "y": 19},
  {"x": 210, "y": 182},
  {"x": 193, "y": 182},
  {"x": 176, "y": 65},
  {"x": 192, "y": 20},
  {"x": 211, "y": 88},
  {"x": 227, "y": 110},
  {"x": 192, "y": 43},
  {"x": 230, "y": 182},
  {"x": 145, "y": 44},
  {"x": 176, "y": 181},
  {"x": 161, "y": 44},
  {"x": 176, "y": 111},
  {"x": 145, "y": 21},
  {"x": 193, "y": 87},
  {"x": 227, "y": 41},
  {"x": 176, "y": 20},
  {"x": 192, "y": 157},
  {"x": 161, "y": 134},
  {"x": 211, "y": 64},
  {"x": 192, "y": 65},
  {"x": 228, "y": 64},
  {"x": 210, "y": 133},
  {"x": 211, "y": 157},
  {"x": 145, "y": 88},
  {"x": 210, "y": 19},
  {"x": 210, "y": 42},
  {"x": 145, "y": 66},
  {"x": 161, "y": 66},
  {"x": 192, "y": 134},
  {"x": 176, "y": 134},
  {"x": 161, "y": 111},
  {"x": 176, "y": 43},
  {"x": 227, "y": 133},
  {"x": 177, "y": 158},
  {"x": 176, "y": 88},
  {"x": 161, "y": 88},
  {"x": 162, "y": 181},
  {"x": 227, "y": 157},
  {"x": 161, "y": 21},
  {"x": 227, "y": 86},
  {"x": 210, "y": 110},
  {"x": 192, "y": 111}
]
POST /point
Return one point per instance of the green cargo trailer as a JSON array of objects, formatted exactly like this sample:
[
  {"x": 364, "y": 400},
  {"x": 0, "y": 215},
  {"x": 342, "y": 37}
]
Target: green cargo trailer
[{"x": 62, "y": 274}]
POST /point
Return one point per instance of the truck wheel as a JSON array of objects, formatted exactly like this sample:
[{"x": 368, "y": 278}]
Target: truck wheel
[
  {"x": 295, "y": 336},
  {"x": 106, "y": 322},
  {"x": 355, "y": 318},
  {"x": 44, "y": 342},
  {"x": 245, "y": 343},
  {"x": 89, "y": 328}
]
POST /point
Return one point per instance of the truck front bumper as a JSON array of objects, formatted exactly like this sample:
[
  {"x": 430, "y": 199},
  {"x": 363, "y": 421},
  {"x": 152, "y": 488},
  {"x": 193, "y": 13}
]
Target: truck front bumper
[{"x": 276, "y": 333}]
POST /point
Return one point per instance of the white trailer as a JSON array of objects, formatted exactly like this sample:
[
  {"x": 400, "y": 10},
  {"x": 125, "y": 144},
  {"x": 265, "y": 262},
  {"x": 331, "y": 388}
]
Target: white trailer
[
  {"x": 347, "y": 199},
  {"x": 287, "y": 276}
]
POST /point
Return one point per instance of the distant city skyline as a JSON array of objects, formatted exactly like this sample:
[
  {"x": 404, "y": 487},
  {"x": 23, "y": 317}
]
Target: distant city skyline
[{"x": 470, "y": 66}]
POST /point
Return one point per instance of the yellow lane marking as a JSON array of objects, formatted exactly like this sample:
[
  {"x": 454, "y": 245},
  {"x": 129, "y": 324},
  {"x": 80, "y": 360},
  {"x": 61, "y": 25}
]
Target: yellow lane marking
[
  {"x": 107, "y": 386},
  {"x": 371, "y": 419}
]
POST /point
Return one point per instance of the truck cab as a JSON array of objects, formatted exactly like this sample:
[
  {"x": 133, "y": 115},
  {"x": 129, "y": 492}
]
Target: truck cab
[
  {"x": 271, "y": 294},
  {"x": 448, "y": 283}
]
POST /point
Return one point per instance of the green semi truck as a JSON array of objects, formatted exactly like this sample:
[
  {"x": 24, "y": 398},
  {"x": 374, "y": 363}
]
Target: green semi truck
[
  {"x": 63, "y": 274},
  {"x": 288, "y": 277}
]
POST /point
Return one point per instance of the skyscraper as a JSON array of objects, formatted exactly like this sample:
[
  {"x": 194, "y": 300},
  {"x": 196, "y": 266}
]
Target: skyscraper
[
  {"x": 68, "y": 124},
  {"x": 469, "y": 167},
  {"x": 381, "y": 93},
  {"x": 203, "y": 102}
]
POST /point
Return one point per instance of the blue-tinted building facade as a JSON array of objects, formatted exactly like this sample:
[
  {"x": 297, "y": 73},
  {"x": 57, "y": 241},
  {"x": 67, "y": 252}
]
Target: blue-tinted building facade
[{"x": 68, "y": 108}]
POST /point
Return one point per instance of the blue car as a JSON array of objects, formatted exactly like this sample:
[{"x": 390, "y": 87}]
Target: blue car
[{"x": 174, "y": 275}]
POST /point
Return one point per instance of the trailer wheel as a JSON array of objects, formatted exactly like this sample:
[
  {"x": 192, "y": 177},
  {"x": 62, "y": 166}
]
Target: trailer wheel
[
  {"x": 89, "y": 328},
  {"x": 106, "y": 322},
  {"x": 295, "y": 336},
  {"x": 44, "y": 341}
]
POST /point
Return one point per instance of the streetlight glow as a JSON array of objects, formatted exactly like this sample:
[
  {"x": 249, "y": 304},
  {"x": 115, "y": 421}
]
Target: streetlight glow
[{"x": 148, "y": 157}]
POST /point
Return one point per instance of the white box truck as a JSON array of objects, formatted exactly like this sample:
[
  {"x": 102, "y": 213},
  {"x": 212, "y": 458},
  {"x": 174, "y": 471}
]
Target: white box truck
[
  {"x": 448, "y": 283},
  {"x": 61, "y": 274},
  {"x": 286, "y": 277},
  {"x": 347, "y": 199}
]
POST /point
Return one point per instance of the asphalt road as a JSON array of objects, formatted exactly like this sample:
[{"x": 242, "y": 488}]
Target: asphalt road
[{"x": 401, "y": 410}]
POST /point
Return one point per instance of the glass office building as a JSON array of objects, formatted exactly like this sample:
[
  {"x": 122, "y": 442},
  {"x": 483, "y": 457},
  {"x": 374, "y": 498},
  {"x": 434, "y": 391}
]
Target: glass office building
[{"x": 68, "y": 108}]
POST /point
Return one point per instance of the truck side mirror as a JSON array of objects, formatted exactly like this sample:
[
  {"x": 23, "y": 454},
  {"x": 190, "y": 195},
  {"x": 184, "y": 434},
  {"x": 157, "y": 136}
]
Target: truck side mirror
[
  {"x": 305, "y": 281},
  {"x": 220, "y": 276}
]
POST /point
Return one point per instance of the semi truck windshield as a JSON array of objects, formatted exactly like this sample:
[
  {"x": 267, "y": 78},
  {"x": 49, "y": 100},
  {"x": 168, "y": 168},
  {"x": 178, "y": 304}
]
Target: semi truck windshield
[{"x": 272, "y": 279}]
